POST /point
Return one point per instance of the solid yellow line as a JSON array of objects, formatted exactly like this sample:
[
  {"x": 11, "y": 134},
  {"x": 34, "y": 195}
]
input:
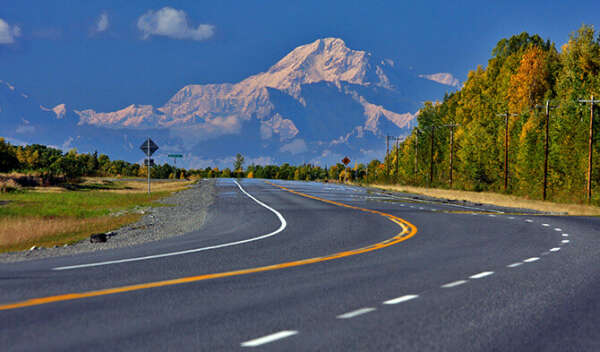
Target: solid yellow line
[{"x": 408, "y": 231}]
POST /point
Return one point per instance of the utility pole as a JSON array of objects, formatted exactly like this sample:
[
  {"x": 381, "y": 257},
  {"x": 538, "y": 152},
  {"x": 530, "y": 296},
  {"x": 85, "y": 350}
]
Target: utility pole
[
  {"x": 148, "y": 167},
  {"x": 387, "y": 153},
  {"x": 451, "y": 126},
  {"x": 431, "y": 155},
  {"x": 506, "y": 116},
  {"x": 590, "y": 145},
  {"x": 416, "y": 153},
  {"x": 398, "y": 140},
  {"x": 546, "y": 146},
  {"x": 397, "y": 157}
]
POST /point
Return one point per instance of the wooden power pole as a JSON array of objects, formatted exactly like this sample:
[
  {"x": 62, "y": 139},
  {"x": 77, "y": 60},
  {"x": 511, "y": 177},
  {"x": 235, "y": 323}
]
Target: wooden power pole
[
  {"x": 451, "y": 126},
  {"x": 506, "y": 116},
  {"x": 431, "y": 157},
  {"x": 416, "y": 154},
  {"x": 590, "y": 146}
]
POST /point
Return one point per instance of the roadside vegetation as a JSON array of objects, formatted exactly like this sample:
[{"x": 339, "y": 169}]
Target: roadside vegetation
[{"x": 55, "y": 216}]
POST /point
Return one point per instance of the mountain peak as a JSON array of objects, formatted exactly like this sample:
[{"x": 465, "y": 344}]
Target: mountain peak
[{"x": 324, "y": 60}]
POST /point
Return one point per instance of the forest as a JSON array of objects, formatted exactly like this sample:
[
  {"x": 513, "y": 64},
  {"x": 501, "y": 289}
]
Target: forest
[{"x": 531, "y": 97}]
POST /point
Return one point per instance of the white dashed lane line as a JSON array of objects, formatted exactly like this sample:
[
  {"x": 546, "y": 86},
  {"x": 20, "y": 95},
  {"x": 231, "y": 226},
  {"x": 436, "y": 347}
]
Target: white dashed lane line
[
  {"x": 565, "y": 235},
  {"x": 555, "y": 249},
  {"x": 401, "y": 299},
  {"x": 564, "y": 241},
  {"x": 481, "y": 275},
  {"x": 514, "y": 265},
  {"x": 531, "y": 260},
  {"x": 355, "y": 313},
  {"x": 546, "y": 225},
  {"x": 557, "y": 229},
  {"x": 269, "y": 338},
  {"x": 454, "y": 284},
  {"x": 528, "y": 220}
]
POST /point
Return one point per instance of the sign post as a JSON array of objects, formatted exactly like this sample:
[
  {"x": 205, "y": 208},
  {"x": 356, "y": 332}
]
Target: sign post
[
  {"x": 175, "y": 156},
  {"x": 149, "y": 147}
]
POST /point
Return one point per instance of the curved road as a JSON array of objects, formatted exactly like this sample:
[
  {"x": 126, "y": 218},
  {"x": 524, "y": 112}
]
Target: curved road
[{"x": 315, "y": 267}]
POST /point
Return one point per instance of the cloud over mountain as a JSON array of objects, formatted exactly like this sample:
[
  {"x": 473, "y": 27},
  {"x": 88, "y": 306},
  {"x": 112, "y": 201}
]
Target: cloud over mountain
[
  {"x": 8, "y": 33},
  {"x": 442, "y": 78},
  {"x": 172, "y": 23},
  {"x": 102, "y": 23}
]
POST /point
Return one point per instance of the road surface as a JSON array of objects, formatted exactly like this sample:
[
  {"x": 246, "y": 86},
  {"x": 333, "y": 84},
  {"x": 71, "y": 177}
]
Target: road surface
[{"x": 298, "y": 266}]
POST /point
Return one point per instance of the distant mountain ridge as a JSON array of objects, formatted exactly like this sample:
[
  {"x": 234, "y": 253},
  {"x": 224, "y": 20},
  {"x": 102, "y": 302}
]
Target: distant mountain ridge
[{"x": 321, "y": 100}]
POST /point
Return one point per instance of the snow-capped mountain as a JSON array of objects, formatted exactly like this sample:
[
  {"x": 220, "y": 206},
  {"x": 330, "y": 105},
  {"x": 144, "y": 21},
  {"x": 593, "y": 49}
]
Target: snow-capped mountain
[{"x": 320, "y": 101}]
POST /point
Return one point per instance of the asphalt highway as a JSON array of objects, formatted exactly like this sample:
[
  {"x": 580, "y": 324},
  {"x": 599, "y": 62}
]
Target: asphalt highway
[{"x": 299, "y": 266}]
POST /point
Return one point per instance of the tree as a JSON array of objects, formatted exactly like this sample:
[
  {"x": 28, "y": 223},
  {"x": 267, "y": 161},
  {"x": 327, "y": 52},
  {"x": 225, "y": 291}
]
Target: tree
[
  {"x": 8, "y": 157},
  {"x": 238, "y": 164}
]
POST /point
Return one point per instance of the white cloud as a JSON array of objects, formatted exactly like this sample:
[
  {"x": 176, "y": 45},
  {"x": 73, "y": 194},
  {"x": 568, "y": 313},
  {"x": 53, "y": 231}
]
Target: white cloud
[
  {"x": 102, "y": 23},
  {"x": 24, "y": 129},
  {"x": 172, "y": 23},
  {"x": 8, "y": 33},
  {"x": 443, "y": 78},
  {"x": 67, "y": 144},
  {"x": 261, "y": 160},
  {"x": 296, "y": 146}
]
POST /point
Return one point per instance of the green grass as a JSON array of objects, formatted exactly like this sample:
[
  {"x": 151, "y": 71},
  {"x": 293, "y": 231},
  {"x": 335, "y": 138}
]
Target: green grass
[
  {"x": 64, "y": 215},
  {"x": 79, "y": 204}
]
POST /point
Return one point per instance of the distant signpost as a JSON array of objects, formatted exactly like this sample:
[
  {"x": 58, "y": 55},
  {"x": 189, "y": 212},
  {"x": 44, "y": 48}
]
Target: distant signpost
[
  {"x": 175, "y": 156},
  {"x": 346, "y": 160},
  {"x": 149, "y": 147}
]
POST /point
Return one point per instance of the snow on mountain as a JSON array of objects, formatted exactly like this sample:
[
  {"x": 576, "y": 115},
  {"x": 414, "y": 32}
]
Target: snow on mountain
[
  {"x": 321, "y": 100},
  {"x": 324, "y": 60}
]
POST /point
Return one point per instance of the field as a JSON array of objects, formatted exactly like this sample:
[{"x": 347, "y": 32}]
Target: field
[
  {"x": 497, "y": 199},
  {"x": 55, "y": 216}
]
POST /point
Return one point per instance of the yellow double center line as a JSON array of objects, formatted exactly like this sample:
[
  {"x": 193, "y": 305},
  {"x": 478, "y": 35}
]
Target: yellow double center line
[{"x": 408, "y": 230}]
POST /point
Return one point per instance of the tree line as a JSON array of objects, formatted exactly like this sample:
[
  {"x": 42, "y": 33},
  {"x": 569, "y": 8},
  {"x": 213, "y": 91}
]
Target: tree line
[
  {"x": 461, "y": 141},
  {"x": 51, "y": 164}
]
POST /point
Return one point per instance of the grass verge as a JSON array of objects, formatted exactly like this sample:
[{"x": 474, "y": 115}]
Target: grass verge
[
  {"x": 502, "y": 200},
  {"x": 57, "y": 216}
]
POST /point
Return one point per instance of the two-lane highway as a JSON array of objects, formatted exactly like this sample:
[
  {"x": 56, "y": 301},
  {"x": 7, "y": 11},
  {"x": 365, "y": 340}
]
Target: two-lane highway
[{"x": 308, "y": 266}]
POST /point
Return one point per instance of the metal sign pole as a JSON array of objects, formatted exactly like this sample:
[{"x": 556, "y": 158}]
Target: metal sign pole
[{"x": 148, "y": 166}]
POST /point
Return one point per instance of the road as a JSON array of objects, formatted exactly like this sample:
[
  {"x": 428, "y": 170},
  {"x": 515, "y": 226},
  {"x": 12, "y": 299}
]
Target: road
[{"x": 318, "y": 267}]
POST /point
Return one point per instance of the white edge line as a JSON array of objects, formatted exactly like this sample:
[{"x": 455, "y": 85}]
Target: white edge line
[
  {"x": 481, "y": 275},
  {"x": 269, "y": 338},
  {"x": 401, "y": 299},
  {"x": 454, "y": 283},
  {"x": 355, "y": 313},
  {"x": 195, "y": 250}
]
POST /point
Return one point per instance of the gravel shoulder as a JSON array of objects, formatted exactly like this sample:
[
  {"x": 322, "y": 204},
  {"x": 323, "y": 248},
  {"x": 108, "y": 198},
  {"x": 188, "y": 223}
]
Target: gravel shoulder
[{"x": 187, "y": 211}]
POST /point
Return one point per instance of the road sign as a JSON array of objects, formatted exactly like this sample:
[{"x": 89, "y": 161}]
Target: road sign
[
  {"x": 346, "y": 161},
  {"x": 149, "y": 162},
  {"x": 175, "y": 156},
  {"x": 149, "y": 147}
]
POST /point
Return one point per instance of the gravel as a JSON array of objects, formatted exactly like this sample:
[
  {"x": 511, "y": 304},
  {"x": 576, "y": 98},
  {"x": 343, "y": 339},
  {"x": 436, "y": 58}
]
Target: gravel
[{"x": 187, "y": 211}]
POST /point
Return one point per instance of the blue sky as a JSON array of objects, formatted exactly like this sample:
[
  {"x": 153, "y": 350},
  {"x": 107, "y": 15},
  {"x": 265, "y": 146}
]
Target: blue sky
[{"x": 97, "y": 54}]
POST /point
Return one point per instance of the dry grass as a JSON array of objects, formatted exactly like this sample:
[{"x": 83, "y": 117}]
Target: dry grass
[
  {"x": 48, "y": 216},
  {"x": 18, "y": 233},
  {"x": 497, "y": 199},
  {"x": 142, "y": 186}
]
